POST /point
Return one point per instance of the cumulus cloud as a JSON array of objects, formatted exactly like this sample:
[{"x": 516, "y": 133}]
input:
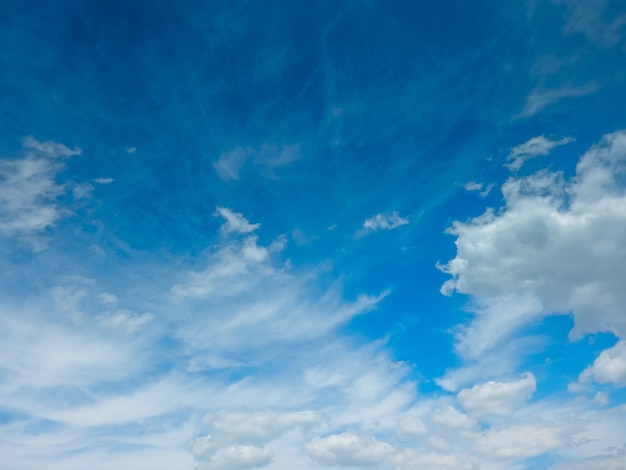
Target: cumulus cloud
[
  {"x": 532, "y": 148},
  {"x": 29, "y": 190},
  {"x": 497, "y": 398},
  {"x": 518, "y": 261},
  {"x": 609, "y": 367},
  {"x": 349, "y": 450},
  {"x": 384, "y": 222},
  {"x": 238, "y": 439}
]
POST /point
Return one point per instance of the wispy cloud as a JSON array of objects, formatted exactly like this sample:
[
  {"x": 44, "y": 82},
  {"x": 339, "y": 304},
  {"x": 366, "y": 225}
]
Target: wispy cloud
[
  {"x": 539, "y": 99},
  {"x": 267, "y": 158},
  {"x": 29, "y": 189},
  {"x": 535, "y": 147}
]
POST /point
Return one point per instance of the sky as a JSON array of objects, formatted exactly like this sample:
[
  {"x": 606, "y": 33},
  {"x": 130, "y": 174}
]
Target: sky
[{"x": 313, "y": 235}]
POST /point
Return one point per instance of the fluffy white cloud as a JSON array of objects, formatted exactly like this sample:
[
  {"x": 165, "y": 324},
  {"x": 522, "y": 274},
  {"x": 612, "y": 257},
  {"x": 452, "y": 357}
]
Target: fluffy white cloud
[
  {"x": 384, "y": 222},
  {"x": 609, "y": 367},
  {"x": 347, "y": 449},
  {"x": 523, "y": 252},
  {"x": 532, "y": 148},
  {"x": 29, "y": 190},
  {"x": 497, "y": 398}
]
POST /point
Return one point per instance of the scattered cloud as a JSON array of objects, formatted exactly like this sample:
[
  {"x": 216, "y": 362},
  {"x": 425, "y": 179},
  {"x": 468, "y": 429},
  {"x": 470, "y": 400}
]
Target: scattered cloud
[
  {"x": 539, "y": 99},
  {"x": 537, "y": 146},
  {"x": 481, "y": 188},
  {"x": 594, "y": 19},
  {"x": 609, "y": 367},
  {"x": 104, "y": 180},
  {"x": 29, "y": 189},
  {"x": 268, "y": 157},
  {"x": 497, "y": 398},
  {"x": 235, "y": 222},
  {"x": 384, "y": 222}
]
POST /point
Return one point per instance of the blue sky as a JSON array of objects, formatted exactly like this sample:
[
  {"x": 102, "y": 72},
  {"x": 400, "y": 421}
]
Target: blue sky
[{"x": 240, "y": 235}]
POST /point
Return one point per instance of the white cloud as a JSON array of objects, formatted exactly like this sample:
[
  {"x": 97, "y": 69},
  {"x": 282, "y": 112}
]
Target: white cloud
[
  {"x": 260, "y": 427},
  {"x": 235, "y": 222},
  {"x": 384, "y": 222},
  {"x": 478, "y": 187},
  {"x": 518, "y": 442},
  {"x": 229, "y": 165},
  {"x": 601, "y": 399},
  {"x": 518, "y": 261},
  {"x": 609, "y": 367},
  {"x": 347, "y": 450},
  {"x": 497, "y": 398},
  {"x": 601, "y": 462},
  {"x": 103, "y": 180},
  {"x": 50, "y": 148},
  {"x": 29, "y": 190},
  {"x": 238, "y": 457},
  {"x": 268, "y": 157},
  {"x": 591, "y": 18},
  {"x": 452, "y": 419},
  {"x": 532, "y": 148},
  {"x": 127, "y": 320},
  {"x": 537, "y": 100},
  {"x": 428, "y": 460}
]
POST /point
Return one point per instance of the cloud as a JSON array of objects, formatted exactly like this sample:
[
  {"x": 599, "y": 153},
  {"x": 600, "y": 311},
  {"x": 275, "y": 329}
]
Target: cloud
[
  {"x": 349, "y": 450},
  {"x": 268, "y": 157},
  {"x": 384, "y": 222},
  {"x": 29, "y": 190},
  {"x": 238, "y": 457},
  {"x": 518, "y": 442},
  {"x": 592, "y": 18},
  {"x": 534, "y": 147},
  {"x": 229, "y": 165},
  {"x": 497, "y": 398},
  {"x": 539, "y": 99},
  {"x": 609, "y": 367},
  {"x": 260, "y": 427},
  {"x": 517, "y": 263},
  {"x": 104, "y": 180},
  {"x": 235, "y": 222},
  {"x": 50, "y": 148},
  {"x": 238, "y": 439},
  {"x": 478, "y": 187}
]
